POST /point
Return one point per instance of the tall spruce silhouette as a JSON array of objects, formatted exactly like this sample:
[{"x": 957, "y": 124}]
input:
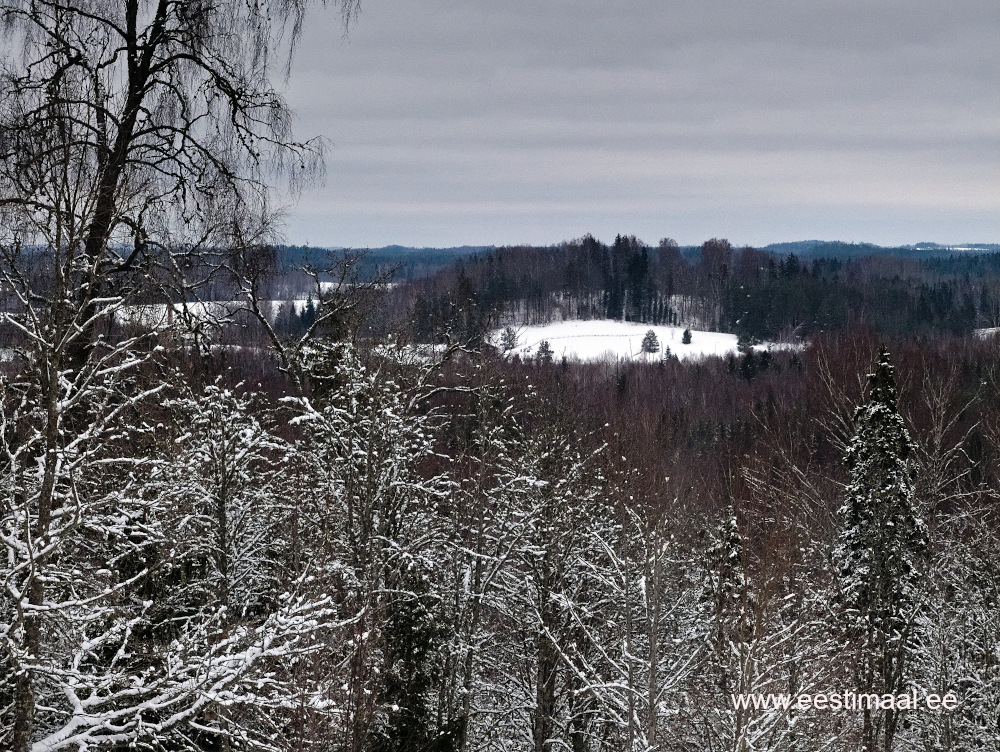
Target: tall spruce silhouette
[{"x": 878, "y": 553}]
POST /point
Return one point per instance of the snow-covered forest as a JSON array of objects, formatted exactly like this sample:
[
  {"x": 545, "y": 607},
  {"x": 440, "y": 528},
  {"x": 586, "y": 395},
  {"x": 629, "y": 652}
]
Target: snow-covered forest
[
  {"x": 341, "y": 543},
  {"x": 253, "y": 525}
]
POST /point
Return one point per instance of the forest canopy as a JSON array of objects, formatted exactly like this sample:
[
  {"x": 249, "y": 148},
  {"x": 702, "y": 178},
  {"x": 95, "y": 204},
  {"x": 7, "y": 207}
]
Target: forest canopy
[{"x": 256, "y": 498}]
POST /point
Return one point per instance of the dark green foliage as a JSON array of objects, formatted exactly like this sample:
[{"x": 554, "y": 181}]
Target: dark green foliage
[
  {"x": 288, "y": 322},
  {"x": 405, "y": 263},
  {"x": 544, "y": 352},
  {"x": 832, "y": 295},
  {"x": 879, "y": 552},
  {"x": 726, "y": 594},
  {"x": 508, "y": 339},
  {"x": 308, "y": 315},
  {"x": 756, "y": 294},
  {"x": 413, "y": 638},
  {"x": 650, "y": 342},
  {"x": 460, "y": 314}
]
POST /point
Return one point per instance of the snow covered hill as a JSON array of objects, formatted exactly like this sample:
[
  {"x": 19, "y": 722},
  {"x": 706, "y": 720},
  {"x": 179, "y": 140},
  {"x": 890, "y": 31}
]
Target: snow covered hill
[{"x": 601, "y": 339}]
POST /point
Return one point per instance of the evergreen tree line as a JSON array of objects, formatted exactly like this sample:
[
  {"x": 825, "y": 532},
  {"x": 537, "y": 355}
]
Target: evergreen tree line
[
  {"x": 291, "y": 319},
  {"x": 755, "y": 294}
]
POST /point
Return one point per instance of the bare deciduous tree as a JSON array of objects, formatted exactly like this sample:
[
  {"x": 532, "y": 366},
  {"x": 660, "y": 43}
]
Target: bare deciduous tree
[{"x": 138, "y": 143}]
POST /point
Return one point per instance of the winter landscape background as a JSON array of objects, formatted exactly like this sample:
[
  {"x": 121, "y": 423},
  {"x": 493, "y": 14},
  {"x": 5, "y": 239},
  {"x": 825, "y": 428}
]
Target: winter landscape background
[{"x": 581, "y": 495}]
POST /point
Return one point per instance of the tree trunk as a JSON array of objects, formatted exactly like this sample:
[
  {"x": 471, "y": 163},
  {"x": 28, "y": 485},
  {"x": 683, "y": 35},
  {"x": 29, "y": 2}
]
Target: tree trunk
[
  {"x": 545, "y": 684},
  {"x": 653, "y": 574},
  {"x": 24, "y": 692}
]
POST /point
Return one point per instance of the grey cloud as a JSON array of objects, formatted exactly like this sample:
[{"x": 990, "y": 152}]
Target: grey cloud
[{"x": 448, "y": 118}]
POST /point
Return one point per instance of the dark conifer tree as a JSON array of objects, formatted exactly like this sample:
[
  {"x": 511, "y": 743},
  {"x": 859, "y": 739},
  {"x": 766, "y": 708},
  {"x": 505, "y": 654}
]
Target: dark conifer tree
[
  {"x": 650, "y": 342},
  {"x": 544, "y": 352},
  {"x": 308, "y": 315},
  {"x": 412, "y": 649},
  {"x": 878, "y": 554}
]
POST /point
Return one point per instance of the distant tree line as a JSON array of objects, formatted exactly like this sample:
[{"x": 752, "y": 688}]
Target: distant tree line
[
  {"x": 403, "y": 263},
  {"x": 753, "y": 293}
]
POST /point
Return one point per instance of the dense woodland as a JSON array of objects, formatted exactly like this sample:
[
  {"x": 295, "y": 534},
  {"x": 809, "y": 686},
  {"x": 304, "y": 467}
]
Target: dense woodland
[
  {"x": 268, "y": 540},
  {"x": 756, "y": 294},
  {"x": 229, "y": 522}
]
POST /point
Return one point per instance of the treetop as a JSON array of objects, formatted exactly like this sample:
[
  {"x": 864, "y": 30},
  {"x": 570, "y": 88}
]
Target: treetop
[{"x": 882, "y": 381}]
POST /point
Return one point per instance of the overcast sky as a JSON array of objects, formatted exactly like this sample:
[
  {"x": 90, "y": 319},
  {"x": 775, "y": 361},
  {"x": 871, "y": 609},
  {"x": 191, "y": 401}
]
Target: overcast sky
[{"x": 456, "y": 122}]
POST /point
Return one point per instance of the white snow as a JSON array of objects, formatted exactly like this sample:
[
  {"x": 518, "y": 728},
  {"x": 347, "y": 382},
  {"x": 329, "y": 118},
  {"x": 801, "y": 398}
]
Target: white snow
[
  {"x": 604, "y": 339},
  {"x": 159, "y": 315},
  {"x": 298, "y": 305}
]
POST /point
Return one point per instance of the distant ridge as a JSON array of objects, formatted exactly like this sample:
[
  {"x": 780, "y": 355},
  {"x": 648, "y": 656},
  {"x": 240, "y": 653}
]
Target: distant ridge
[
  {"x": 406, "y": 262},
  {"x": 459, "y": 250},
  {"x": 411, "y": 262},
  {"x": 387, "y": 250},
  {"x": 840, "y": 249}
]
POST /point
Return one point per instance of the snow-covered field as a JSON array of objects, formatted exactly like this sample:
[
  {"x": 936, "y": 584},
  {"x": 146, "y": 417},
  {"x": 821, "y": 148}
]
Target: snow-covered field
[
  {"x": 159, "y": 315},
  {"x": 605, "y": 339}
]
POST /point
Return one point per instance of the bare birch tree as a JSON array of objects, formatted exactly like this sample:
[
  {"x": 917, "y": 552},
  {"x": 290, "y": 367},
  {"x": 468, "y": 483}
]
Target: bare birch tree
[{"x": 138, "y": 143}]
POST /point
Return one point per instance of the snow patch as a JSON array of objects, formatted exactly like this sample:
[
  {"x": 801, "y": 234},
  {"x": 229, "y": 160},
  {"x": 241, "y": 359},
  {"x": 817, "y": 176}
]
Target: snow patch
[{"x": 602, "y": 339}]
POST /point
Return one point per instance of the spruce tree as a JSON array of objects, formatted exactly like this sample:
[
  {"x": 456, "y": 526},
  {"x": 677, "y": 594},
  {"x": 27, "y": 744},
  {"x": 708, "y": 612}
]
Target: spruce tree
[
  {"x": 308, "y": 315},
  {"x": 412, "y": 643},
  {"x": 544, "y": 353},
  {"x": 508, "y": 339},
  {"x": 727, "y": 618},
  {"x": 650, "y": 343},
  {"x": 878, "y": 553}
]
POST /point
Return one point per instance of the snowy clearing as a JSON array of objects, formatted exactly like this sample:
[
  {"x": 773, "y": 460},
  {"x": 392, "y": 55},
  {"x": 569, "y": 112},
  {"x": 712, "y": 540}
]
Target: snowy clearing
[
  {"x": 160, "y": 315},
  {"x": 603, "y": 339}
]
